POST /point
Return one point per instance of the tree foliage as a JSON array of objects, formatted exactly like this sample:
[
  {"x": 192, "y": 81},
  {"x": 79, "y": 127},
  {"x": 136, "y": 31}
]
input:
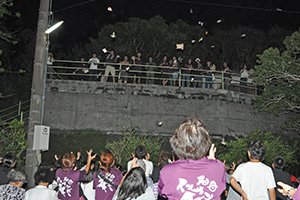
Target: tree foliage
[
  {"x": 279, "y": 73},
  {"x": 13, "y": 139},
  {"x": 126, "y": 144},
  {"x": 237, "y": 149}
]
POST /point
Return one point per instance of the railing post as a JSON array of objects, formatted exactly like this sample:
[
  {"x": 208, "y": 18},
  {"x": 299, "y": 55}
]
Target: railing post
[
  {"x": 179, "y": 78},
  {"x": 19, "y": 110},
  {"x": 119, "y": 76},
  {"x": 222, "y": 80},
  {"x": 21, "y": 117}
]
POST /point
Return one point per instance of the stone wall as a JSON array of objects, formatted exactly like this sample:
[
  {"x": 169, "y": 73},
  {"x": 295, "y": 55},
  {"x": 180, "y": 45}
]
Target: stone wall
[{"x": 109, "y": 107}]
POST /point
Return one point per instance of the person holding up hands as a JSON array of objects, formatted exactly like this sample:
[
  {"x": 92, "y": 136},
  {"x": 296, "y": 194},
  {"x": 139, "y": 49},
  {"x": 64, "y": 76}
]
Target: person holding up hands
[{"x": 67, "y": 178}]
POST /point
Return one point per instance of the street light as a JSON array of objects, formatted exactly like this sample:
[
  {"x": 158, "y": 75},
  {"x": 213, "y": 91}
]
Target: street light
[{"x": 55, "y": 26}]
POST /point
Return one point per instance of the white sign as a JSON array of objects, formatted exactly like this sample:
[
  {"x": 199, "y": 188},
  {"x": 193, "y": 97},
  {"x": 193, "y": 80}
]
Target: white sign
[{"x": 41, "y": 137}]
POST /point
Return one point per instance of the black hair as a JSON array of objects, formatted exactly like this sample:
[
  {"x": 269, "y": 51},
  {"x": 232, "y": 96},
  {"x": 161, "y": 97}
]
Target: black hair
[
  {"x": 89, "y": 177},
  {"x": 43, "y": 175},
  {"x": 134, "y": 184},
  {"x": 140, "y": 152},
  {"x": 257, "y": 150},
  {"x": 279, "y": 162},
  {"x": 8, "y": 160}
]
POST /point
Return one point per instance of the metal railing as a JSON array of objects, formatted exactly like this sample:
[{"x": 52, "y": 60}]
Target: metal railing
[
  {"x": 65, "y": 70},
  {"x": 19, "y": 111}
]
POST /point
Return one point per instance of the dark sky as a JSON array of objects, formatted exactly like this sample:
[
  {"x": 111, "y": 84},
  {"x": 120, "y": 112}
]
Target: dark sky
[{"x": 84, "y": 18}]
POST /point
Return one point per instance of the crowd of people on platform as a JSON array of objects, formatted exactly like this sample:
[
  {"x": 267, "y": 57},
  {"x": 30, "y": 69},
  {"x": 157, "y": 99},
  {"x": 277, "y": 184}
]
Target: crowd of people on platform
[
  {"x": 165, "y": 72},
  {"x": 192, "y": 172}
]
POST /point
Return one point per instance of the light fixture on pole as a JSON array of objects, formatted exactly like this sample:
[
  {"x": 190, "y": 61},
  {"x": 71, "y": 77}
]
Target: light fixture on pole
[{"x": 55, "y": 26}]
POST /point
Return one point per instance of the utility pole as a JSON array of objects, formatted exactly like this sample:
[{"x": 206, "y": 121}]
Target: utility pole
[{"x": 33, "y": 157}]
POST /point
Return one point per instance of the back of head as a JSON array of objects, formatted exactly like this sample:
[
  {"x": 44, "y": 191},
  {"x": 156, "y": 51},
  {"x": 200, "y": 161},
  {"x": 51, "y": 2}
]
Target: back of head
[
  {"x": 43, "y": 175},
  {"x": 134, "y": 184},
  {"x": 68, "y": 160},
  {"x": 8, "y": 160},
  {"x": 140, "y": 152},
  {"x": 107, "y": 160},
  {"x": 257, "y": 150},
  {"x": 88, "y": 177},
  {"x": 16, "y": 176},
  {"x": 279, "y": 162},
  {"x": 191, "y": 140},
  {"x": 163, "y": 159},
  {"x": 142, "y": 164}
]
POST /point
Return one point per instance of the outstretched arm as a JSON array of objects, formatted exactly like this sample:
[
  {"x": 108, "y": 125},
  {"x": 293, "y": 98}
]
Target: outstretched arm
[
  {"x": 89, "y": 159},
  {"x": 286, "y": 189}
]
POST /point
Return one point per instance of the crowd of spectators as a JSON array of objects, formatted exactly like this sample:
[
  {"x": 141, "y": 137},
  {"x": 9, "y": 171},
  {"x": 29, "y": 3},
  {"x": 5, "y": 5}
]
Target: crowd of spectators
[
  {"x": 168, "y": 71},
  {"x": 192, "y": 172}
]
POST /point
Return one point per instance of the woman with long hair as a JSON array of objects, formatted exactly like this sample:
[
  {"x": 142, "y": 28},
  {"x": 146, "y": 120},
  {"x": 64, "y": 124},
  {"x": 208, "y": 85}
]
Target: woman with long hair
[
  {"x": 68, "y": 179},
  {"x": 107, "y": 178}
]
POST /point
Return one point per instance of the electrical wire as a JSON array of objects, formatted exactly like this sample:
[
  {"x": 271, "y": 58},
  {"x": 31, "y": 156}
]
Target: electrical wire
[
  {"x": 72, "y": 6},
  {"x": 235, "y": 6}
]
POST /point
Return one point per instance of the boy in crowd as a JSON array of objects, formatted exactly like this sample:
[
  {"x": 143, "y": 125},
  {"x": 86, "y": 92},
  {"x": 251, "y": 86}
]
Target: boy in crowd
[{"x": 140, "y": 152}]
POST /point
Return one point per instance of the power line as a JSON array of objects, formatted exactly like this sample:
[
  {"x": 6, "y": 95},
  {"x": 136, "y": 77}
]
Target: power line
[
  {"x": 72, "y": 6},
  {"x": 236, "y": 7}
]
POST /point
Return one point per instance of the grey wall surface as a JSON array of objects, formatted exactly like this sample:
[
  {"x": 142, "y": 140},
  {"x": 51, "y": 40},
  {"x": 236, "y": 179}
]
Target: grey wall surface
[{"x": 109, "y": 107}]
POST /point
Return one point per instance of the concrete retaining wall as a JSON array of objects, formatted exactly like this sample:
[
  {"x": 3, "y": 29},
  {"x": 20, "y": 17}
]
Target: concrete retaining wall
[{"x": 109, "y": 107}]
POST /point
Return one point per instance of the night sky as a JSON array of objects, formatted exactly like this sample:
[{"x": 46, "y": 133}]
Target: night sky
[{"x": 83, "y": 19}]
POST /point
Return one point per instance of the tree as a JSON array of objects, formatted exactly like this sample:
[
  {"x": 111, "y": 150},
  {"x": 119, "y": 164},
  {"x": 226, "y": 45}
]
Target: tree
[
  {"x": 279, "y": 73},
  {"x": 237, "y": 149},
  {"x": 150, "y": 37},
  {"x": 13, "y": 140}
]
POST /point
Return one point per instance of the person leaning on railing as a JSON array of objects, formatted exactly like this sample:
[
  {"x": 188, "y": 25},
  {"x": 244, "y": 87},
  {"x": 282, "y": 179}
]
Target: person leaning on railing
[
  {"x": 150, "y": 71},
  {"x": 244, "y": 78}
]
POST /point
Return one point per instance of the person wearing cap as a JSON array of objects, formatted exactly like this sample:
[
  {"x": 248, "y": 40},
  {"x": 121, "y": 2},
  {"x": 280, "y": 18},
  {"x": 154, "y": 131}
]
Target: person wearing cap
[
  {"x": 280, "y": 175},
  {"x": 8, "y": 163},
  {"x": 68, "y": 179},
  {"x": 13, "y": 190},
  {"x": 107, "y": 178},
  {"x": 198, "y": 73},
  {"x": 42, "y": 179}
]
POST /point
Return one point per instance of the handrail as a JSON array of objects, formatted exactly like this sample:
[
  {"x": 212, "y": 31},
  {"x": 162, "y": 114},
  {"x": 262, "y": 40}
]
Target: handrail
[
  {"x": 15, "y": 111},
  {"x": 220, "y": 78}
]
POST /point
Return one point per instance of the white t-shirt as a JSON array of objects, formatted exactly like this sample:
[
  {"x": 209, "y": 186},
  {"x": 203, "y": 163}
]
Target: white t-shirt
[
  {"x": 88, "y": 190},
  {"x": 41, "y": 192},
  {"x": 255, "y": 178},
  {"x": 93, "y": 61},
  {"x": 149, "y": 167}
]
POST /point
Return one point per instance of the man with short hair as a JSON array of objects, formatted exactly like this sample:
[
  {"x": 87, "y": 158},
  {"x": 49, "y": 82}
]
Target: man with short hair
[
  {"x": 94, "y": 61},
  {"x": 280, "y": 175},
  {"x": 140, "y": 152},
  {"x": 110, "y": 58},
  {"x": 256, "y": 178},
  {"x": 42, "y": 179}
]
